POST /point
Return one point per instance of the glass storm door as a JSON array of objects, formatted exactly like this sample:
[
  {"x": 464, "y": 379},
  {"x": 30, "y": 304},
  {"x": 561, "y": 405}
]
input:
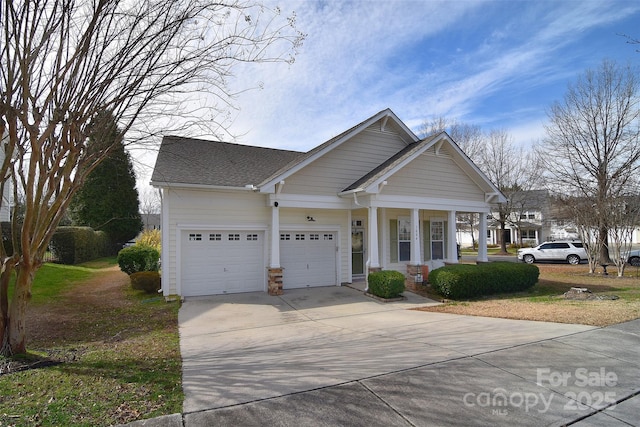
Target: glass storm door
[{"x": 357, "y": 251}]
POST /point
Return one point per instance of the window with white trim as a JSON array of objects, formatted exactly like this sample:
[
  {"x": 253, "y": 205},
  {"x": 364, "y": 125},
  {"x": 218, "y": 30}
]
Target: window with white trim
[
  {"x": 195, "y": 237},
  {"x": 299, "y": 236},
  {"x": 215, "y": 236},
  {"x": 328, "y": 237},
  {"x": 314, "y": 237},
  {"x": 404, "y": 238},
  {"x": 437, "y": 239},
  {"x": 234, "y": 237},
  {"x": 252, "y": 237},
  {"x": 285, "y": 236}
]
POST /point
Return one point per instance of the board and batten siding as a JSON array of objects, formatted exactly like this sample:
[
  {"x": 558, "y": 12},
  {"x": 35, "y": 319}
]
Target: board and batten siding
[
  {"x": 210, "y": 209},
  {"x": 437, "y": 176},
  {"x": 345, "y": 164}
]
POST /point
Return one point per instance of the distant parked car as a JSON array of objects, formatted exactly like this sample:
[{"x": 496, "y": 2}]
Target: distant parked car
[
  {"x": 634, "y": 258},
  {"x": 570, "y": 251}
]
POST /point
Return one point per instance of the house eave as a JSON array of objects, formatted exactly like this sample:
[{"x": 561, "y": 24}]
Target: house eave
[{"x": 162, "y": 184}]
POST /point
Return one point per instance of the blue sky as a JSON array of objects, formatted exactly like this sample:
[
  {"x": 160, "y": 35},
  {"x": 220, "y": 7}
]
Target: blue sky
[{"x": 497, "y": 64}]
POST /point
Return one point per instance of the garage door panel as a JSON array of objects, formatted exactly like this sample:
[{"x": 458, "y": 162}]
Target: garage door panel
[
  {"x": 218, "y": 262},
  {"x": 308, "y": 259}
]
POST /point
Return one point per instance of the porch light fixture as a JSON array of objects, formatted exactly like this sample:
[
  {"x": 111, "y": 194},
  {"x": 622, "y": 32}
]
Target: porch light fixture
[{"x": 311, "y": 219}]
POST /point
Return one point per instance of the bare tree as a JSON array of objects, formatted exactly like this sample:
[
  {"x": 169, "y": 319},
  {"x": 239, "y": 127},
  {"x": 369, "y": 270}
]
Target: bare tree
[
  {"x": 506, "y": 165},
  {"x": 624, "y": 215},
  {"x": 471, "y": 139},
  {"x": 63, "y": 61},
  {"x": 592, "y": 148},
  {"x": 149, "y": 204}
]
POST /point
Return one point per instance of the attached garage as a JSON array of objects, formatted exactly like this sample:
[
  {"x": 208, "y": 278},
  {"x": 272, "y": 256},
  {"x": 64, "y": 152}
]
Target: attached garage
[
  {"x": 309, "y": 258},
  {"x": 222, "y": 261}
]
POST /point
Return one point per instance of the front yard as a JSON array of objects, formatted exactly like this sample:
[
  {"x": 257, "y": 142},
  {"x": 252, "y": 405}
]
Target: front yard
[
  {"x": 545, "y": 301},
  {"x": 99, "y": 353},
  {"x": 103, "y": 354}
]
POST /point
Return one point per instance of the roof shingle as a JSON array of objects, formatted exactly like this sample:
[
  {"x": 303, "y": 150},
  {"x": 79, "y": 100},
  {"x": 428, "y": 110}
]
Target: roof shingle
[{"x": 201, "y": 162}]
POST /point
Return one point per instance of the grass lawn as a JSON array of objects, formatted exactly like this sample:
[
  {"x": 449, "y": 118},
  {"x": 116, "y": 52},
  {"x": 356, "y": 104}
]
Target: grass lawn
[
  {"x": 545, "y": 301},
  {"x": 100, "y": 352}
]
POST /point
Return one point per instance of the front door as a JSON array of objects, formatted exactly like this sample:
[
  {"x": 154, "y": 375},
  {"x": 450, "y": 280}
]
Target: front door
[{"x": 357, "y": 251}]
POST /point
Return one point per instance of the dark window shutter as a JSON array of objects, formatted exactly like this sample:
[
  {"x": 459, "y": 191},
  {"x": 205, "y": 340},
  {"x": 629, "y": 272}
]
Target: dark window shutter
[
  {"x": 393, "y": 239},
  {"x": 426, "y": 235}
]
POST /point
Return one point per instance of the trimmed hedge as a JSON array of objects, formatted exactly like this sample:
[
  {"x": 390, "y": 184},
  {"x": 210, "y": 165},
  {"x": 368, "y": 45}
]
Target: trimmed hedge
[
  {"x": 73, "y": 245},
  {"x": 462, "y": 281},
  {"x": 148, "y": 281},
  {"x": 386, "y": 284},
  {"x": 138, "y": 258}
]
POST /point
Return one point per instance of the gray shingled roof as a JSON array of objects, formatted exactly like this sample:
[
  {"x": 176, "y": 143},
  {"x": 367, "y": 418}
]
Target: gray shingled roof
[{"x": 200, "y": 162}]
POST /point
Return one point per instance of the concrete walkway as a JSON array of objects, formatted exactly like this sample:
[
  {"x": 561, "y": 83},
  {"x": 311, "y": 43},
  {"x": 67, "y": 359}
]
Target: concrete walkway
[{"x": 332, "y": 356}]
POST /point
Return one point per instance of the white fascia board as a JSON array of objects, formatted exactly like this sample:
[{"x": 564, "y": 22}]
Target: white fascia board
[
  {"x": 178, "y": 185},
  {"x": 308, "y": 201},
  {"x": 268, "y": 187},
  {"x": 428, "y": 203}
]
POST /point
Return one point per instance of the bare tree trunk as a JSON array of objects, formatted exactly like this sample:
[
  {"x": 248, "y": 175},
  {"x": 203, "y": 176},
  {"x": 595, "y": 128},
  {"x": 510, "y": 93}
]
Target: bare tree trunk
[{"x": 14, "y": 332}]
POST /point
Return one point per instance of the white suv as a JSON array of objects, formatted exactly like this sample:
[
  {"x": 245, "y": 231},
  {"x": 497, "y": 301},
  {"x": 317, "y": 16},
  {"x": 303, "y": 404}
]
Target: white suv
[{"x": 566, "y": 250}]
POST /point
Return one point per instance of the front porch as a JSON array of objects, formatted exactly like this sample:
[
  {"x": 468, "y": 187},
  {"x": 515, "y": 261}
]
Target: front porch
[{"x": 405, "y": 240}]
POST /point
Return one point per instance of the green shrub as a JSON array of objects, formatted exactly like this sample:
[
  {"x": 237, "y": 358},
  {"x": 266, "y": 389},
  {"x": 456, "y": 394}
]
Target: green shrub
[
  {"x": 462, "y": 281},
  {"x": 138, "y": 258},
  {"x": 73, "y": 245},
  {"x": 148, "y": 281},
  {"x": 386, "y": 284}
]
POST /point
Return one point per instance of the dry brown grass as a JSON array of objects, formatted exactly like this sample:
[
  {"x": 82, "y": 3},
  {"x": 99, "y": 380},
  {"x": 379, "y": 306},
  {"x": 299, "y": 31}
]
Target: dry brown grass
[{"x": 544, "y": 302}]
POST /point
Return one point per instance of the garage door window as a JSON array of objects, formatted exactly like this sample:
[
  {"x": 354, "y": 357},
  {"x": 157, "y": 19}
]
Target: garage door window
[
  {"x": 285, "y": 237},
  {"x": 215, "y": 237},
  {"x": 195, "y": 237},
  {"x": 234, "y": 237},
  {"x": 252, "y": 237},
  {"x": 299, "y": 236}
]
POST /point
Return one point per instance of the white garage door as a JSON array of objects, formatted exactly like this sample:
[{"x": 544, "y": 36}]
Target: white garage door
[
  {"x": 219, "y": 262},
  {"x": 308, "y": 259}
]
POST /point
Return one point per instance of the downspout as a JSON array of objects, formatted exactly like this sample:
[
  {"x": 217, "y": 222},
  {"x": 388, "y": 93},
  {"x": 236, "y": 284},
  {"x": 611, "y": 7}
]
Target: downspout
[{"x": 368, "y": 263}]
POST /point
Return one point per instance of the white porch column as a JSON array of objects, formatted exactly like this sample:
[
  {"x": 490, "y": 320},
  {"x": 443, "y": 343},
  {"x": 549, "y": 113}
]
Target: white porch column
[
  {"x": 482, "y": 238},
  {"x": 416, "y": 258},
  {"x": 275, "y": 238},
  {"x": 452, "y": 247},
  {"x": 372, "y": 247}
]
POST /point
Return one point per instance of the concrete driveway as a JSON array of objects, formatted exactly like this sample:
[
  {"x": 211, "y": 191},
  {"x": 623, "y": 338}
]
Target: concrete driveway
[{"x": 332, "y": 356}]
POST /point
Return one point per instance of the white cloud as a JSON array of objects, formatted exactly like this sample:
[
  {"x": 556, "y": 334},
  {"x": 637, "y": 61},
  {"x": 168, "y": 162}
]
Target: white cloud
[{"x": 480, "y": 62}]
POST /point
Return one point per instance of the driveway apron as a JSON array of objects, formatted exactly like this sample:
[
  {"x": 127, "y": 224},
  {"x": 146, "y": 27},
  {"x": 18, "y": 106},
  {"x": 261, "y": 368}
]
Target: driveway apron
[{"x": 327, "y": 356}]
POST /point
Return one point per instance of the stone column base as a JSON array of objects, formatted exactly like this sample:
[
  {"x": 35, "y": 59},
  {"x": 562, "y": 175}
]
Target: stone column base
[
  {"x": 374, "y": 269},
  {"x": 275, "y": 281},
  {"x": 413, "y": 272}
]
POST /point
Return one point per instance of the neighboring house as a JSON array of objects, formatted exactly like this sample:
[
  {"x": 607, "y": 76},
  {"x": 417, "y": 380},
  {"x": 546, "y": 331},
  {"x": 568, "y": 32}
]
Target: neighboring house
[
  {"x": 535, "y": 217},
  {"x": 151, "y": 221},
  {"x": 239, "y": 218}
]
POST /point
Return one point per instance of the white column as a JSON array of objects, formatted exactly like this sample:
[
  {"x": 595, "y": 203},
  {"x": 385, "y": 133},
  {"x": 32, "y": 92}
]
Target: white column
[
  {"x": 275, "y": 238},
  {"x": 416, "y": 258},
  {"x": 372, "y": 247},
  {"x": 452, "y": 247},
  {"x": 482, "y": 238}
]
